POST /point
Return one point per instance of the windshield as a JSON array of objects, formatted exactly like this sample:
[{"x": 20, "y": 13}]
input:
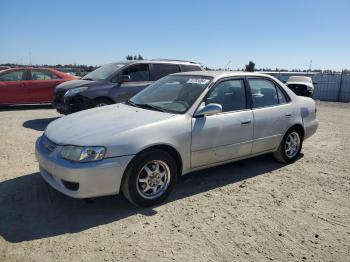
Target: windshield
[
  {"x": 103, "y": 72},
  {"x": 173, "y": 93},
  {"x": 302, "y": 79}
]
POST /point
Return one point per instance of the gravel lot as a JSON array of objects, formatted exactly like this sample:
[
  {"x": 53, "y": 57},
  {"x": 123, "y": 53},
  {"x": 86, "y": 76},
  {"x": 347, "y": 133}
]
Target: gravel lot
[{"x": 253, "y": 210}]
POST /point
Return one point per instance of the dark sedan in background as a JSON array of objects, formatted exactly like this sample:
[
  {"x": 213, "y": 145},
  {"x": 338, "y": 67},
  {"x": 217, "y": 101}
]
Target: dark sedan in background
[
  {"x": 114, "y": 83},
  {"x": 28, "y": 85}
]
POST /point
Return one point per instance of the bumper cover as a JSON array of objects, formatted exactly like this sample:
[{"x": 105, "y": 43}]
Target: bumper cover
[
  {"x": 94, "y": 179},
  {"x": 71, "y": 104}
]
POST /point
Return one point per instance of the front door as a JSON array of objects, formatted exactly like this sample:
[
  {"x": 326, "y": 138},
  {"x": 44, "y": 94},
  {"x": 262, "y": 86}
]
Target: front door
[{"x": 226, "y": 135}]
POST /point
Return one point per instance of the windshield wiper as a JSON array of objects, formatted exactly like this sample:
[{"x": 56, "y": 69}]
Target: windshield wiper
[
  {"x": 88, "y": 79},
  {"x": 149, "y": 106},
  {"x": 132, "y": 103}
]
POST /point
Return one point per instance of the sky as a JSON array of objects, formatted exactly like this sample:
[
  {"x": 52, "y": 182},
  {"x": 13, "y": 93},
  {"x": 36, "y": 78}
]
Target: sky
[{"x": 285, "y": 34}]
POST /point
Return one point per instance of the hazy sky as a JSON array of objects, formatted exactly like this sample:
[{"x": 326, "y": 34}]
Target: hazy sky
[{"x": 284, "y": 34}]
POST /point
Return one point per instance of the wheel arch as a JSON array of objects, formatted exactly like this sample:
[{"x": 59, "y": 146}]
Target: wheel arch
[
  {"x": 298, "y": 127},
  {"x": 165, "y": 147},
  {"x": 101, "y": 97}
]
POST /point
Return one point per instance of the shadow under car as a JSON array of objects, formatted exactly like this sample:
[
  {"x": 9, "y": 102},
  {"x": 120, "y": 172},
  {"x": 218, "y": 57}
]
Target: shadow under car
[{"x": 30, "y": 209}]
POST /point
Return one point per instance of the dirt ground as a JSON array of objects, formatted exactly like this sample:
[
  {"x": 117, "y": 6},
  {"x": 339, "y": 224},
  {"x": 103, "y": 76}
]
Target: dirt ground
[{"x": 253, "y": 210}]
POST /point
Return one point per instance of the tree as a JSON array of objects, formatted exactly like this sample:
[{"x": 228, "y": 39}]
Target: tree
[
  {"x": 250, "y": 67},
  {"x": 135, "y": 57}
]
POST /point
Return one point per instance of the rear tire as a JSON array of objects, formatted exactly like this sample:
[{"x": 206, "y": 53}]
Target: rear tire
[
  {"x": 290, "y": 147},
  {"x": 101, "y": 102},
  {"x": 149, "y": 178}
]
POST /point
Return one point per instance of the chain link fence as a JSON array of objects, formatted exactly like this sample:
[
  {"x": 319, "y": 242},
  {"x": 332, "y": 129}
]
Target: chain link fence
[{"x": 333, "y": 87}]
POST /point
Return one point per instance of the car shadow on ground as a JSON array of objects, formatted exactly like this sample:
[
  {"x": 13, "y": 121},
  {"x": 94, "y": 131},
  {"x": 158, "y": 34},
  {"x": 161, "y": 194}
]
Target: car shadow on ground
[
  {"x": 38, "y": 124},
  {"x": 25, "y": 107},
  {"x": 30, "y": 209}
]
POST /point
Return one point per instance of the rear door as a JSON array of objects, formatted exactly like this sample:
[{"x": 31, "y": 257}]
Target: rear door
[
  {"x": 12, "y": 87},
  {"x": 41, "y": 85},
  {"x": 273, "y": 114},
  {"x": 226, "y": 135}
]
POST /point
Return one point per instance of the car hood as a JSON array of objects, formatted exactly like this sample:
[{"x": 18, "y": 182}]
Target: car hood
[
  {"x": 74, "y": 83},
  {"x": 98, "y": 126}
]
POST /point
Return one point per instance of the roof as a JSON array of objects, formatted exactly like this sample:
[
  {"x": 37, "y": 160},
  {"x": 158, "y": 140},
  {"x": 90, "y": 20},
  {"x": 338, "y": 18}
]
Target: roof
[
  {"x": 220, "y": 74},
  {"x": 291, "y": 73},
  {"x": 30, "y": 67},
  {"x": 160, "y": 61}
]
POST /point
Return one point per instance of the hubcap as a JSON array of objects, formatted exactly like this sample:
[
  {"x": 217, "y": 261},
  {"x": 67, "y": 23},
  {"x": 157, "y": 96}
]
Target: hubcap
[
  {"x": 292, "y": 144},
  {"x": 153, "y": 179}
]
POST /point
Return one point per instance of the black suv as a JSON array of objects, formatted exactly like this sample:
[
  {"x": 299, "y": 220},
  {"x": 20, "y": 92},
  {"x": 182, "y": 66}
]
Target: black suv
[{"x": 114, "y": 83}]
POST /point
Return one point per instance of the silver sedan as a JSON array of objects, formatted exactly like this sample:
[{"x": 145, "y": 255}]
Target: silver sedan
[{"x": 181, "y": 123}]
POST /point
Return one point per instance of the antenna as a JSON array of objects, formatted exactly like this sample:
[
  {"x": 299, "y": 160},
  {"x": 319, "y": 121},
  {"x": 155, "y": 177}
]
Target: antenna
[{"x": 229, "y": 62}]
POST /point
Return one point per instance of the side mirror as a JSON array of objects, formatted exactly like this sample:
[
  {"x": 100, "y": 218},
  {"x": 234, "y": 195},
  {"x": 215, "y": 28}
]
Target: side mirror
[
  {"x": 124, "y": 78},
  {"x": 209, "y": 110}
]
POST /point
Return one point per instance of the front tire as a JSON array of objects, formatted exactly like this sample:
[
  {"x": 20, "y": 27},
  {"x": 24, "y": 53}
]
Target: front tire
[
  {"x": 290, "y": 147},
  {"x": 149, "y": 178}
]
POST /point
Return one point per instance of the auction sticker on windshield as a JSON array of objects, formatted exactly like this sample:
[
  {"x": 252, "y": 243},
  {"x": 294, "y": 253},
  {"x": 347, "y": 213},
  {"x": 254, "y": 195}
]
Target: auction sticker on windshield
[{"x": 200, "y": 81}]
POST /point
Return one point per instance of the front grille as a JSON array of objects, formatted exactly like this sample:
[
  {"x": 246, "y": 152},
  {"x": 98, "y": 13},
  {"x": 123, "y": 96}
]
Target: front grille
[{"x": 47, "y": 144}]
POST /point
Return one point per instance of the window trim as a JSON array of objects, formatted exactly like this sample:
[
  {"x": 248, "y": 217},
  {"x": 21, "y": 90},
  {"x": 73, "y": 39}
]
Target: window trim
[
  {"x": 288, "y": 99},
  {"x": 214, "y": 85}
]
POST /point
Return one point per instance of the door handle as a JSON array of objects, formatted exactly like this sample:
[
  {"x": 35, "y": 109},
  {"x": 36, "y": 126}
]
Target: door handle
[
  {"x": 288, "y": 114},
  {"x": 247, "y": 122}
]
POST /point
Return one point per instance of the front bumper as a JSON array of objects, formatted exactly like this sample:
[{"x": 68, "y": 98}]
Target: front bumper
[
  {"x": 70, "y": 105},
  {"x": 80, "y": 180}
]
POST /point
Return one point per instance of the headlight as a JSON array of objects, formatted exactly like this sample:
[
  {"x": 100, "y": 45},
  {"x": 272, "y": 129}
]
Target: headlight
[
  {"x": 82, "y": 153},
  {"x": 74, "y": 91}
]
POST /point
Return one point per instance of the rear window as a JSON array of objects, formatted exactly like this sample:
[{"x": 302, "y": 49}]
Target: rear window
[{"x": 161, "y": 70}]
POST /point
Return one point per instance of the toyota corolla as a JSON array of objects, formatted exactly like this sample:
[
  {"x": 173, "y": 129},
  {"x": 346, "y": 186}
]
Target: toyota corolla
[{"x": 181, "y": 123}]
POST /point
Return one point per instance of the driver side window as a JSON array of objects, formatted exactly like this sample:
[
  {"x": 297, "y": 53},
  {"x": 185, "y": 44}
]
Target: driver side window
[
  {"x": 230, "y": 94},
  {"x": 138, "y": 73}
]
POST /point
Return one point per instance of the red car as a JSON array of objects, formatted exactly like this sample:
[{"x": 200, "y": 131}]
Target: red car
[{"x": 30, "y": 85}]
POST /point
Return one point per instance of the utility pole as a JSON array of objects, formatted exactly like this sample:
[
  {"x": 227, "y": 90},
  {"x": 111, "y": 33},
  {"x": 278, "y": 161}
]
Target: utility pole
[{"x": 226, "y": 67}]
